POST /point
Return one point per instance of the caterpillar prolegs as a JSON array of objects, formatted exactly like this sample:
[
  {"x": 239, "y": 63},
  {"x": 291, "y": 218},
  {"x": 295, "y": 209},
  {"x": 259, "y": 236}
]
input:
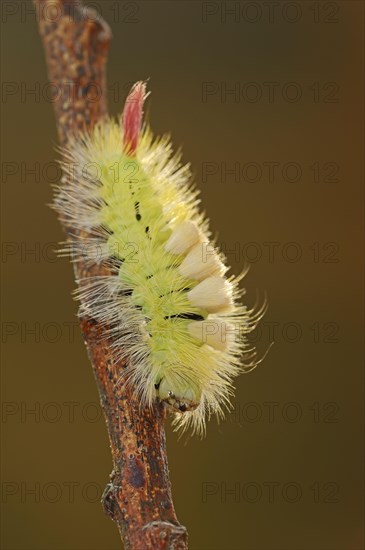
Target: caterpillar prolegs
[{"x": 166, "y": 299}]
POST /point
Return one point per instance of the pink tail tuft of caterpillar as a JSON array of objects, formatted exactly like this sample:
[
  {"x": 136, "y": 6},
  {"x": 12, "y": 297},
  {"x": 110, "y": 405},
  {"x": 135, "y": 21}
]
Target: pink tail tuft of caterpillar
[{"x": 132, "y": 117}]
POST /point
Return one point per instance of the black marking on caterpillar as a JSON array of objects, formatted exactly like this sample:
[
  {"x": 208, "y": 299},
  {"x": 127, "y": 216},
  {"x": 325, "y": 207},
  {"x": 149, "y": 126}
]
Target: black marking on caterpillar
[
  {"x": 190, "y": 316},
  {"x": 138, "y": 215}
]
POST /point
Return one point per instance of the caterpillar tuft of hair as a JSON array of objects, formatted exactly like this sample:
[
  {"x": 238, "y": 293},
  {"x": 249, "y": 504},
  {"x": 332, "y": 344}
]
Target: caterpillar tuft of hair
[{"x": 165, "y": 299}]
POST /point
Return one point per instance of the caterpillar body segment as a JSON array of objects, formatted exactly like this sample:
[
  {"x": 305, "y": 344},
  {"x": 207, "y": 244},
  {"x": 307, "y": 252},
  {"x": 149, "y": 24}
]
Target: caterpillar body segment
[{"x": 167, "y": 303}]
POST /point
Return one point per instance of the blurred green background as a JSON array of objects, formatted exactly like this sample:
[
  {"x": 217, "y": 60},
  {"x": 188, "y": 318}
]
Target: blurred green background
[{"x": 285, "y": 470}]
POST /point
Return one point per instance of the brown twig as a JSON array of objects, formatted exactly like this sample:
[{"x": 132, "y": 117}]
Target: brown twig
[{"x": 138, "y": 496}]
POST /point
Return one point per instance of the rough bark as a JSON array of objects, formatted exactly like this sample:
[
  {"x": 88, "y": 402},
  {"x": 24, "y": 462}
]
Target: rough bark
[{"x": 138, "y": 495}]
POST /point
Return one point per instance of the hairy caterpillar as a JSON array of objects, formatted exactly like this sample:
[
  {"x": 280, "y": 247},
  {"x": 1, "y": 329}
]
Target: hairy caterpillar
[{"x": 165, "y": 300}]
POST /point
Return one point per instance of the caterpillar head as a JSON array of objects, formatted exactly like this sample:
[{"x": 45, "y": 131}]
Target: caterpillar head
[{"x": 179, "y": 393}]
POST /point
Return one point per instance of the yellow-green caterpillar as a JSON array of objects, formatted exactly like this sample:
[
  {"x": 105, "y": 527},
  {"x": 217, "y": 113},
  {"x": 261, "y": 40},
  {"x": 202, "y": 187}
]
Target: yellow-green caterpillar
[{"x": 168, "y": 304}]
